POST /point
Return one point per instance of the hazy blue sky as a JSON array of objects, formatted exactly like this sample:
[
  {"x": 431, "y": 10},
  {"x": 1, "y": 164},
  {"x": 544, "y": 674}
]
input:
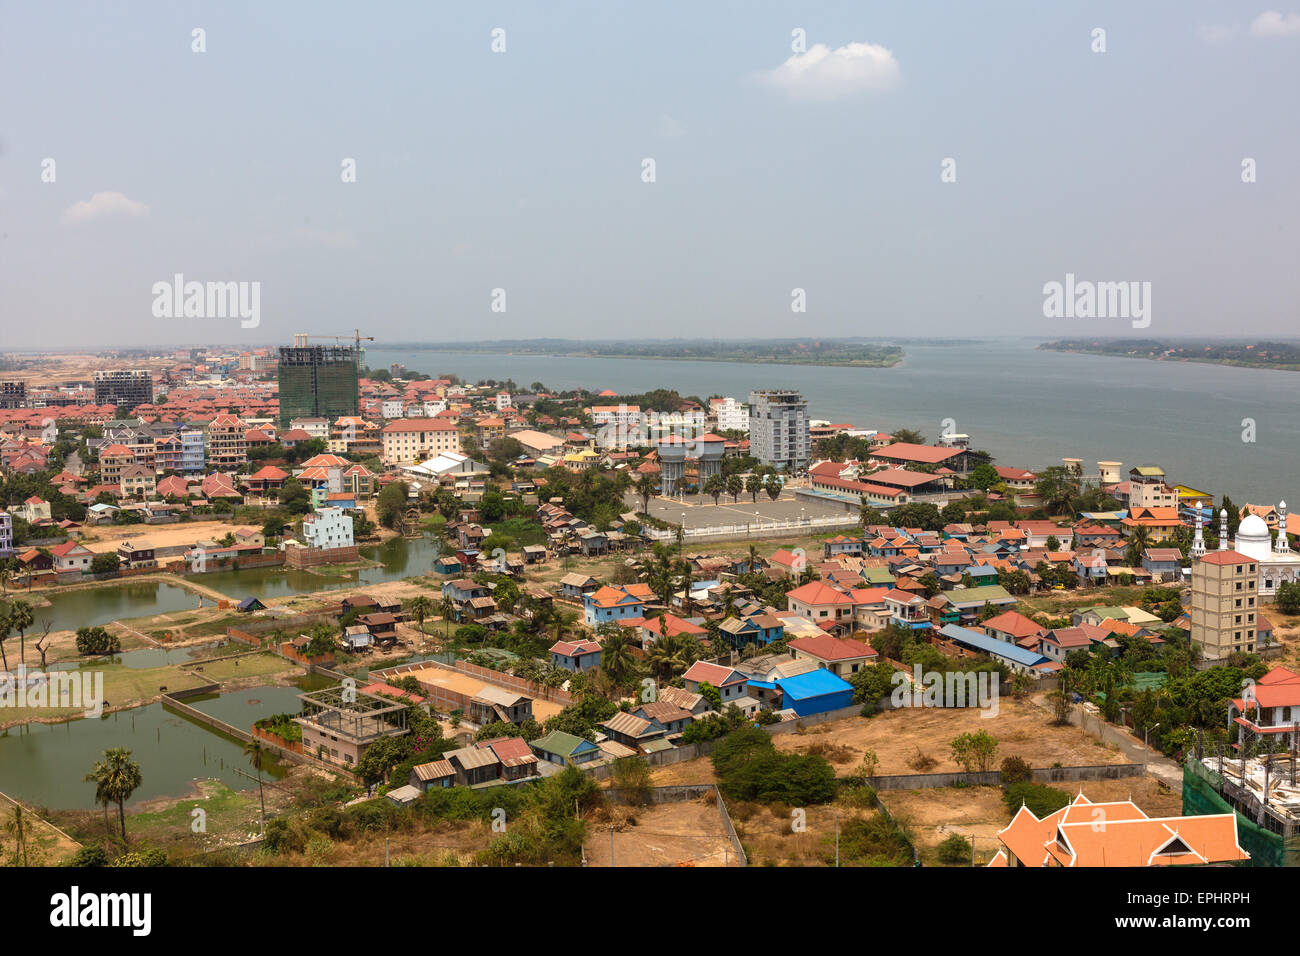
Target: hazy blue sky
[{"x": 522, "y": 170}]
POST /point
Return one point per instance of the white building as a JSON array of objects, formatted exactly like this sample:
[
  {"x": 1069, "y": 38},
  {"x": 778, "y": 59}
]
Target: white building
[
  {"x": 328, "y": 528},
  {"x": 1277, "y": 562},
  {"x": 392, "y": 408},
  {"x": 503, "y": 401},
  {"x": 730, "y": 414},
  {"x": 315, "y": 427}
]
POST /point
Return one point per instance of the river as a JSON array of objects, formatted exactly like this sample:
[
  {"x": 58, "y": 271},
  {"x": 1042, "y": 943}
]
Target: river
[{"x": 1027, "y": 407}]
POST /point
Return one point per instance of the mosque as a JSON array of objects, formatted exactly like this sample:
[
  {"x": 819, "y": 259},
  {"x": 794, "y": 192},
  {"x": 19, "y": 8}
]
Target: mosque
[{"x": 1277, "y": 562}]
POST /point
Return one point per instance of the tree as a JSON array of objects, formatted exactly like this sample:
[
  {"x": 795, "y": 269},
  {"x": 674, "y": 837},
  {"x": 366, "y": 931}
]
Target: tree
[
  {"x": 615, "y": 654},
  {"x": 294, "y": 497},
  {"x": 646, "y": 486},
  {"x": 955, "y": 849},
  {"x": 391, "y": 503},
  {"x": 6, "y": 632},
  {"x": 116, "y": 777},
  {"x": 711, "y": 694},
  {"x": 974, "y": 751},
  {"x": 419, "y": 607},
  {"x": 97, "y": 640},
  {"x": 753, "y": 485},
  {"x": 772, "y": 485},
  {"x": 984, "y": 477},
  {"x": 107, "y": 562},
  {"x": 869, "y": 514},
  {"x": 20, "y": 619},
  {"x": 255, "y": 753},
  {"x": 1288, "y": 597},
  {"x": 714, "y": 487},
  {"x": 907, "y": 436},
  {"x": 735, "y": 485}
]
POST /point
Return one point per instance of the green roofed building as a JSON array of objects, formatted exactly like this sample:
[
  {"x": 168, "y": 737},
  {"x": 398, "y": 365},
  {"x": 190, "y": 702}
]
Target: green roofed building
[{"x": 559, "y": 747}]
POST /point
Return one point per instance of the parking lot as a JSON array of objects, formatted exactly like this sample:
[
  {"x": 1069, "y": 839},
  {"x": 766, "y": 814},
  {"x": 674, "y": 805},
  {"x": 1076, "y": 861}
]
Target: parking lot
[{"x": 701, "y": 512}]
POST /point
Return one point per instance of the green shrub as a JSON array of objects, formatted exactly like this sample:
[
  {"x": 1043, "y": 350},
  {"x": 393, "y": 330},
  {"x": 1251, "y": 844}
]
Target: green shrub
[{"x": 955, "y": 849}]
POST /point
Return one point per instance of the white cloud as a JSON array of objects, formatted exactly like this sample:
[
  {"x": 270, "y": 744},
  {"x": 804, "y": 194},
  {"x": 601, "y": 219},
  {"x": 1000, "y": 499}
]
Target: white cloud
[
  {"x": 669, "y": 128},
  {"x": 826, "y": 74},
  {"x": 102, "y": 205},
  {"x": 1274, "y": 24}
]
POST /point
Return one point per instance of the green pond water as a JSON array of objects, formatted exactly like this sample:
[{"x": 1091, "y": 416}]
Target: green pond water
[
  {"x": 42, "y": 764},
  {"x": 87, "y": 607}
]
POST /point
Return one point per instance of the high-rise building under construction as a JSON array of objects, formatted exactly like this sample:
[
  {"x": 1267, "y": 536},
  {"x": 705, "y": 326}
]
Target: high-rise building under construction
[{"x": 317, "y": 381}]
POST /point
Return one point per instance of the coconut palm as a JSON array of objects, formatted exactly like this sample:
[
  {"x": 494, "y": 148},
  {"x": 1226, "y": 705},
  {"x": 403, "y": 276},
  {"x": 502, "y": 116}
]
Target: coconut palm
[
  {"x": 20, "y": 618},
  {"x": 715, "y": 487},
  {"x": 446, "y": 607},
  {"x": 646, "y": 486},
  {"x": 6, "y": 632},
  {"x": 735, "y": 485},
  {"x": 116, "y": 777},
  {"x": 616, "y": 657},
  {"x": 256, "y": 753},
  {"x": 419, "y": 607},
  {"x": 753, "y": 485}
]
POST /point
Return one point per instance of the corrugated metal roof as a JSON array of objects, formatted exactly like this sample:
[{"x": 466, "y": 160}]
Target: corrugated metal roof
[
  {"x": 471, "y": 757},
  {"x": 435, "y": 770}
]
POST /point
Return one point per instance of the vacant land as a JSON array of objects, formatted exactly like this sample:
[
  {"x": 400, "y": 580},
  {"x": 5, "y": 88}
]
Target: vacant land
[
  {"x": 666, "y": 834},
  {"x": 43, "y": 844},
  {"x": 101, "y": 538},
  {"x": 978, "y": 813},
  {"x": 898, "y": 736}
]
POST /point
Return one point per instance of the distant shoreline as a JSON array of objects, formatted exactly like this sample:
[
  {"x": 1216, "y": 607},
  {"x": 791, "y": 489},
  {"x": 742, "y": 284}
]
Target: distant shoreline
[
  {"x": 1184, "y": 359},
  {"x": 890, "y": 362}
]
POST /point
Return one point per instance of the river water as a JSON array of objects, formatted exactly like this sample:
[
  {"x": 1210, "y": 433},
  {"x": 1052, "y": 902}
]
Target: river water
[{"x": 1027, "y": 407}]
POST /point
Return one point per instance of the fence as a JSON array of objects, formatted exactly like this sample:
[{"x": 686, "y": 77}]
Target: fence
[
  {"x": 684, "y": 794},
  {"x": 993, "y": 778},
  {"x": 313, "y": 557},
  {"x": 758, "y": 529}
]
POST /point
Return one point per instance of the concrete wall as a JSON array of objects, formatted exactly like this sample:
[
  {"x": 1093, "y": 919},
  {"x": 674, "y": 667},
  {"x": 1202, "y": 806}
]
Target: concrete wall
[{"x": 993, "y": 778}]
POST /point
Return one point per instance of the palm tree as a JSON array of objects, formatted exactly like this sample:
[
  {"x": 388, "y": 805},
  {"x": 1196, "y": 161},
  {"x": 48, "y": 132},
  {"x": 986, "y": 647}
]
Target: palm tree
[
  {"x": 753, "y": 485},
  {"x": 116, "y": 777},
  {"x": 256, "y": 753},
  {"x": 1138, "y": 540},
  {"x": 6, "y": 632},
  {"x": 421, "y": 607},
  {"x": 735, "y": 485},
  {"x": 564, "y": 621},
  {"x": 715, "y": 487},
  {"x": 20, "y": 618},
  {"x": 909, "y": 436},
  {"x": 446, "y": 607},
  {"x": 753, "y": 559},
  {"x": 646, "y": 486},
  {"x": 616, "y": 658}
]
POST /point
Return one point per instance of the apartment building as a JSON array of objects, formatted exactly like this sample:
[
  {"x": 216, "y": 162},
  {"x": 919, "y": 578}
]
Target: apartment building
[
  {"x": 227, "y": 443},
  {"x": 128, "y": 387},
  {"x": 415, "y": 439},
  {"x": 328, "y": 528},
  {"x": 778, "y": 429},
  {"x": 1223, "y": 611},
  {"x": 730, "y": 414}
]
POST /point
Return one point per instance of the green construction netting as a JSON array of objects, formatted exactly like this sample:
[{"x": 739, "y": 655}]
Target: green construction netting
[{"x": 1201, "y": 797}]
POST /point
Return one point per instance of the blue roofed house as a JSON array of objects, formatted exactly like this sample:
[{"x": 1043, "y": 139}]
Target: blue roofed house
[{"x": 815, "y": 692}]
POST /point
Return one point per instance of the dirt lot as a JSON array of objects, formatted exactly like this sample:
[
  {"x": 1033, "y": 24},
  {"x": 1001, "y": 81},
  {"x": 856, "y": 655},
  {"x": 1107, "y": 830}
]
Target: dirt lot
[
  {"x": 101, "y": 538},
  {"x": 45, "y": 845},
  {"x": 977, "y": 813},
  {"x": 667, "y": 834},
  {"x": 1021, "y": 730}
]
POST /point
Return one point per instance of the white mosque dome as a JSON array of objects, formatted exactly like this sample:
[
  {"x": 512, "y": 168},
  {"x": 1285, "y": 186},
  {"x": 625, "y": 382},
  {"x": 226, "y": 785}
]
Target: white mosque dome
[{"x": 1253, "y": 538}]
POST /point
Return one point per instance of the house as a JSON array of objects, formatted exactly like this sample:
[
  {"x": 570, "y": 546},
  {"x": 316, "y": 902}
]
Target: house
[
  {"x": 497, "y": 705},
  {"x": 474, "y": 765},
  {"x": 328, "y": 528},
  {"x": 633, "y": 731},
  {"x": 517, "y": 760},
  {"x": 137, "y": 481},
  {"x": 729, "y": 682},
  {"x": 842, "y": 657},
  {"x": 672, "y": 717},
  {"x": 561, "y": 748},
  {"x": 757, "y": 629},
  {"x": 381, "y": 625},
  {"x": 611, "y": 604},
  {"x": 815, "y": 692},
  {"x": 1271, "y": 708},
  {"x": 653, "y": 628},
  {"x": 1014, "y": 628},
  {"x": 1163, "y": 564},
  {"x": 357, "y": 637},
  {"x": 1071, "y": 837},
  {"x": 1018, "y": 658},
  {"x": 132, "y": 554},
  {"x": 439, "y": 773},
  {"x": 819, "y": 601},
  {"x": 70, "y": 556},
  {"x": 579, "y": 655},
  {"x": 1057, "y": 644},
  {"x": 578, "y": 585}
]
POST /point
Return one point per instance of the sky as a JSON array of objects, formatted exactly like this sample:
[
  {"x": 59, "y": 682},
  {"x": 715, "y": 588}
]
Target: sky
[{"x": 914, "y": 168}]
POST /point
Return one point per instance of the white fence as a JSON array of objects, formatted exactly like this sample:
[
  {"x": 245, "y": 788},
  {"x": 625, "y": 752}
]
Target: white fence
[{"x": 759, "y": 528}]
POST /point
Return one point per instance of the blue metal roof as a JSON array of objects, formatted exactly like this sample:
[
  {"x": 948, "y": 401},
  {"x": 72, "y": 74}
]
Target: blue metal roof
[
  {"x": 991, "y": 645},
  {"x": 812, "y": 684}
]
